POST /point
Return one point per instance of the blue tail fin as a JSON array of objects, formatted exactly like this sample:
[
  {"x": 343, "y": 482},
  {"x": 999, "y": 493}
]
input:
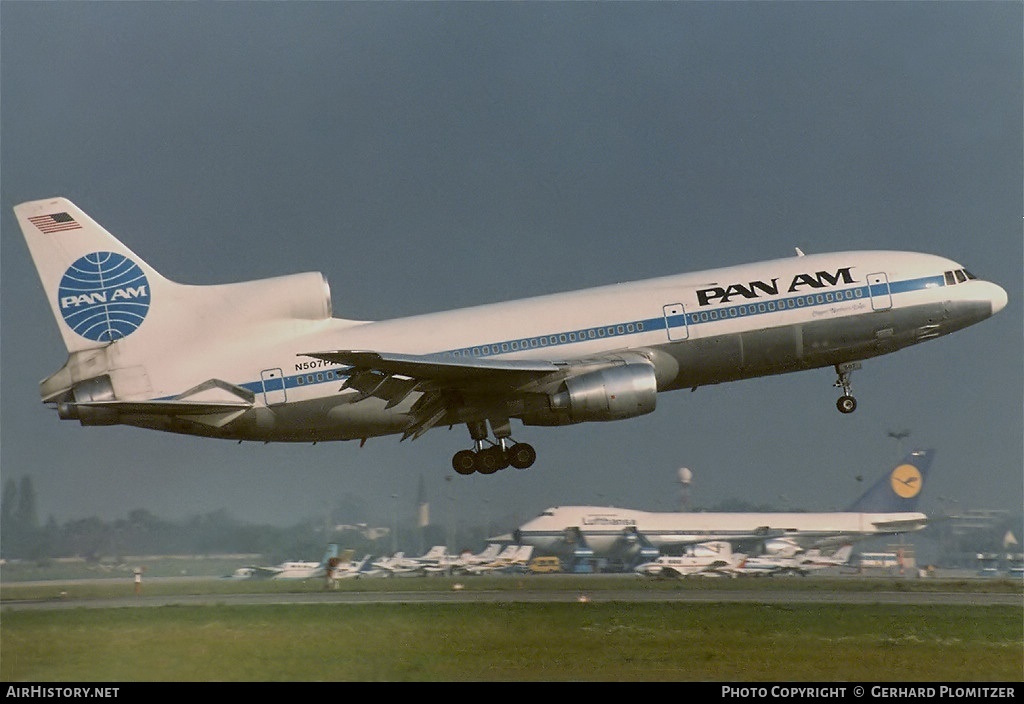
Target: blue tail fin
[
  {"x": 331, "y": 553},
  {"x": 899, "y": 489}
]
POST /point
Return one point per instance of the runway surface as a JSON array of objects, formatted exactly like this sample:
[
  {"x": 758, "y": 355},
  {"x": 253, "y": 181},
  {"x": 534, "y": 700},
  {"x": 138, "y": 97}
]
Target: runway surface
[{"x": 455, "y": 595}]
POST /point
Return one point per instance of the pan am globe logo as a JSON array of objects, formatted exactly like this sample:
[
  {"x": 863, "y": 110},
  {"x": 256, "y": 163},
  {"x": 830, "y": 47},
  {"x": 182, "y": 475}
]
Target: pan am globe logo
[{"x": 104, "y": 296}]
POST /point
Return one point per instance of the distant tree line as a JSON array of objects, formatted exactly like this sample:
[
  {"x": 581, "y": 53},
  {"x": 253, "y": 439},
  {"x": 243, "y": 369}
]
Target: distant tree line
[{"x": 22, "y": 536}]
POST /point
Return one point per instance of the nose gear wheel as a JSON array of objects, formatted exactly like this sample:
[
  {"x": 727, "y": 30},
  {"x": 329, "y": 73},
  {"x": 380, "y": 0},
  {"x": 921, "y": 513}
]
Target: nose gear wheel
[{"x": 846, "y": 403}]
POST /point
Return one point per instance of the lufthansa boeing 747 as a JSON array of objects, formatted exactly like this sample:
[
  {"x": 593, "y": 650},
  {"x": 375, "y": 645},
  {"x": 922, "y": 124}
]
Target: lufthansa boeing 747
[
  {"x": 888, "y": 507},
  {"x": 265, "y": 360}
]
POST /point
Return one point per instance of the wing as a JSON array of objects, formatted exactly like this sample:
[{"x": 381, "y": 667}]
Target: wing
[
  {"x": 263, "y": 572},
  {"x": 453, "y": 389},
  {"x": 913, "y": 522}
]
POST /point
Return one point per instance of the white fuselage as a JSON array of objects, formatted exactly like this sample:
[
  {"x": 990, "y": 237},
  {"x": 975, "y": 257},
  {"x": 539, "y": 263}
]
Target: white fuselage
[
  {"x": 298, "y": 570},
  {"x": 617, "y": 532},
  {"x": 709, "y": 557},
  {"x": 696, "y": 329}
]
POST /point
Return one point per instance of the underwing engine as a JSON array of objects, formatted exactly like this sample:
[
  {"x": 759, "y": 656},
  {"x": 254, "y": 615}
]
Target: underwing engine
[{"x": 614, "y": 393}]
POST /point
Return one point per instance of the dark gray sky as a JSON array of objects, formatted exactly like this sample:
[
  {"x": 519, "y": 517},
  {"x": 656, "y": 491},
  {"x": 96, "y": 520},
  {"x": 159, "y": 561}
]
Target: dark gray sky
[{"x": 427, "y": 156}]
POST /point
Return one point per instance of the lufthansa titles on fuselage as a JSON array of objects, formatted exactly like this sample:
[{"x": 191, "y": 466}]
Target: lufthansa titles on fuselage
[{"x": 607, "y": 521}]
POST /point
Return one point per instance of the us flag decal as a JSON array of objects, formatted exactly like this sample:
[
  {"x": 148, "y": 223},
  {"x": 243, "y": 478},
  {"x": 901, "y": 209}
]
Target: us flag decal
[{"x": 57, "y": 222}]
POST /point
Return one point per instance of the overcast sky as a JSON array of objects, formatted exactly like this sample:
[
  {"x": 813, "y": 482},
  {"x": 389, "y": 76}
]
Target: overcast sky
[{"x": 428, "y": 156}]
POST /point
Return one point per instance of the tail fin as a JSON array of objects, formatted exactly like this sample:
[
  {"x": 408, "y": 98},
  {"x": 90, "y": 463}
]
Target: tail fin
[
  {"x": 331, "y": 553},
  {"x": 121, "y": 321},
  {"x": 899, "y": 489},
  {"x": 99, "y": 290},
  {"x": 843, "y": 554}
]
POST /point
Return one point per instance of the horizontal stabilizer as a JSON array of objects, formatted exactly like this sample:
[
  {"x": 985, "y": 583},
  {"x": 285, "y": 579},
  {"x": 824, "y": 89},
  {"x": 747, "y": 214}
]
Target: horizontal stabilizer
[
  {"x": 165, "y": 408},
  {"x": 214, "y": 402}
]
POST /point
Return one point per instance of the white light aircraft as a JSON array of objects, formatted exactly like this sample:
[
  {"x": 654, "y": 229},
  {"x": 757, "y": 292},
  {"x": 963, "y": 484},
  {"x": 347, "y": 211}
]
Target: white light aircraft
[
  {"x": 350, "y": 569},
  {"x": 888, "y": 507},
  {"x": 510, "y": 558},
  {"x": 295, "y": 569},
  {"x": 467, "y": 559},
  {"x": 464, "y": 562},
  {"x": 713, "y": 558},
  {"x": 265, "y": 360},
  {"x": 401, "y": 564},
  {"x": 801, "y": 563}
]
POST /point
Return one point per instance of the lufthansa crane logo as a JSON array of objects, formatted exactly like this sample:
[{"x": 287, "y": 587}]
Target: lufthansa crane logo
[
  {"x": 905, "y": 480},
  {"x": 104, "y": 296}
]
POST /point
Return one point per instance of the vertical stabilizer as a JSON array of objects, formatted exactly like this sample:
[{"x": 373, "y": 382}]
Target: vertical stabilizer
[
  {"x": 900, "y": 488},
  {"x": 329, "y": 554},
  {"x": 99, "y": 290}
]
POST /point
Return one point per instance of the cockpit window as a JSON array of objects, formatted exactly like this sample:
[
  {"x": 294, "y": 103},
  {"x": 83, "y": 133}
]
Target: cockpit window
[{"x": 958, "y": 277}]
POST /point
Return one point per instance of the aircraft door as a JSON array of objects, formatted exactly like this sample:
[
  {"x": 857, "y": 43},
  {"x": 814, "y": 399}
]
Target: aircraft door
[
  {"x": 881, "y": 296},
  {"x": 675, "y": 321},
  {"x": 273, "y": 386}
]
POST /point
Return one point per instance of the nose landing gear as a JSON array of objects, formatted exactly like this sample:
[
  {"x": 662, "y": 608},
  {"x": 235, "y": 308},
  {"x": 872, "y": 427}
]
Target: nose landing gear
[{"x": 846, "y": 403}]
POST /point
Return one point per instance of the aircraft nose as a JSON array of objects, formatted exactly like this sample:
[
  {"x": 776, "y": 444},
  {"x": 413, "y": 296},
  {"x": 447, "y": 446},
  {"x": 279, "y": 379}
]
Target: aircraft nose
[{"x": 998, "y": 298}]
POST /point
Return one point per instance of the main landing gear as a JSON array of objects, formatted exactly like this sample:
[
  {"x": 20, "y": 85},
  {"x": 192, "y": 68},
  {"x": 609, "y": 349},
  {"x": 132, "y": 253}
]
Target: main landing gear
[
  {"x": 500, "y": 454},
  {"x": 846, "y": 403}
]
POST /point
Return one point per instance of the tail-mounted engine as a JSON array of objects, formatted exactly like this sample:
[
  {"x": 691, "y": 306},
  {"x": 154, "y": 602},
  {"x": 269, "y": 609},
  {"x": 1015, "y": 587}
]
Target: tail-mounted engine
[{"x": 75, "y": 406}]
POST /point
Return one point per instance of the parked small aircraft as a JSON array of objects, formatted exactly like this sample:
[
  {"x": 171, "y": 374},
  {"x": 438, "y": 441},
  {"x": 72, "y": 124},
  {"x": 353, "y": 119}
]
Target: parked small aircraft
[
  {"x": 802, "y": 563},
  {"x": 295, "y": 569},
  {"x": 400, "y": 564},
  {"x": 513, "y": 557},
  {"x": 466, "y": 560},
  {"x": 713, "y": 558},
  {"x": 350, "y": 569}
]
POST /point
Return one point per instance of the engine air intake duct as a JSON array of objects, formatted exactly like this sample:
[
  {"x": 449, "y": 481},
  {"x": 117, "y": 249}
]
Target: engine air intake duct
[{"x": 614, "y": 393}]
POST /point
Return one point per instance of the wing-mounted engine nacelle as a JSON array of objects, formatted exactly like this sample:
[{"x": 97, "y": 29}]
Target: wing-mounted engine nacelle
[
  {"x": 96, "y": 389},
  {"x": 624, "y": 391}
]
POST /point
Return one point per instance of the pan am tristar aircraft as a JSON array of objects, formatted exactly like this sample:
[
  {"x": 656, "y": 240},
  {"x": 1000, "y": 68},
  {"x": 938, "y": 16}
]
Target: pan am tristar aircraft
[{"x": 264, "y": 360}]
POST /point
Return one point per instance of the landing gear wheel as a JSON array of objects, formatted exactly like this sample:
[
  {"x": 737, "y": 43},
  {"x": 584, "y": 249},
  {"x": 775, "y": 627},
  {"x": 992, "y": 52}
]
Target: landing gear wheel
[
  {"x": 490, "y": 460},
  {"x": 521, "y": 455},
  {"x": 502, "y": 454},
  {"x": 464, "y": 462},
  {"x": 846, "y": 404}
]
